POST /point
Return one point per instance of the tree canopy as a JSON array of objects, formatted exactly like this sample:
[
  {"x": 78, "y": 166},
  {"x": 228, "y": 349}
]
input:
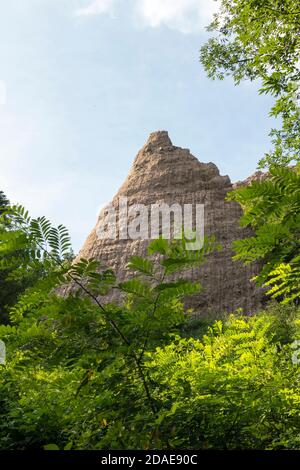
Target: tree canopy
[{"x": 260, "y": 39}]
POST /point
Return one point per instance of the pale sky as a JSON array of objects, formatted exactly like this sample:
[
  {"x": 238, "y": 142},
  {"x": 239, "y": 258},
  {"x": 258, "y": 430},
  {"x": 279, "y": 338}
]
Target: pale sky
[{"x": 83, "y": 83}]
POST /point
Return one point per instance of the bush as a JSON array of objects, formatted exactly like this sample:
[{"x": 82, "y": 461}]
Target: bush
[{"x": 235, "y": 388}]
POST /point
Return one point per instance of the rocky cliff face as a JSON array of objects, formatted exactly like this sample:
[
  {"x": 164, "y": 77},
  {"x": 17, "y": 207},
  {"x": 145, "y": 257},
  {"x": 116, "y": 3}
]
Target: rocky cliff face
[{"x": 160, "y": 173}]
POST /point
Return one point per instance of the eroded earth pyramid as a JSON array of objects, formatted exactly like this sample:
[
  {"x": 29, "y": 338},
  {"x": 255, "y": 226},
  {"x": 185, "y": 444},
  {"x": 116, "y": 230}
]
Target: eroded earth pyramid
[{"x": 160, "y": 173}]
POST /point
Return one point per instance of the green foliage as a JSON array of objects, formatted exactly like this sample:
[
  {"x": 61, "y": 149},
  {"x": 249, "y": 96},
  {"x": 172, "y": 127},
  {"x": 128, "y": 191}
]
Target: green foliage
[
  {"x": 13, "y": 279},
  {"x": 285, "y": 281},
  {"x": 230, "y": 390},
  {"x": 84, "y": 373},
  {"x": 260, "y": 39},
  {"x": 272, "y": 208},
  {"x": 152, "y": 311},
  {"x": 32, "y": 240},
  {"x": 4, "y": 202},
  {"x": 33, "y": 255},
  {"x": 89, "y": 273},
  {"x": 67, "y": 384}
]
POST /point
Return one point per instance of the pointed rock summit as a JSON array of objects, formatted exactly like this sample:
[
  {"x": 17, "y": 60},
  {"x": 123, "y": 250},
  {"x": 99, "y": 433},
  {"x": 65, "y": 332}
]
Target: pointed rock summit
[
  {"x": 163, "y": 173},
  {"x": 159, "y": 139}
]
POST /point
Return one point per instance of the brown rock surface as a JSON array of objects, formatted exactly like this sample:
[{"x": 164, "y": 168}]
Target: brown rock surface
[
  {"x": 256, "y": 176},
  {"x": 163, "y": 172}
]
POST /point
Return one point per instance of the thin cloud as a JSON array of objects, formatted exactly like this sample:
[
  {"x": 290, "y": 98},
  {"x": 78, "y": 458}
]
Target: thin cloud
[
  {"x": 97, "y": 7},
  {"x": 186, "y": 16}
]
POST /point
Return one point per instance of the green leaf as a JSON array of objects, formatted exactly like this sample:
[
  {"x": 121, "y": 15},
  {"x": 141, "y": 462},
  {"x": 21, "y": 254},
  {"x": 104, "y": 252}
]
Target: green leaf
[
  {"x": 142, "y": 265},
  {"x": 159, "y": 245},
  {"x": 135, "y": 286},
  {"x": 51, "y": 447}
]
